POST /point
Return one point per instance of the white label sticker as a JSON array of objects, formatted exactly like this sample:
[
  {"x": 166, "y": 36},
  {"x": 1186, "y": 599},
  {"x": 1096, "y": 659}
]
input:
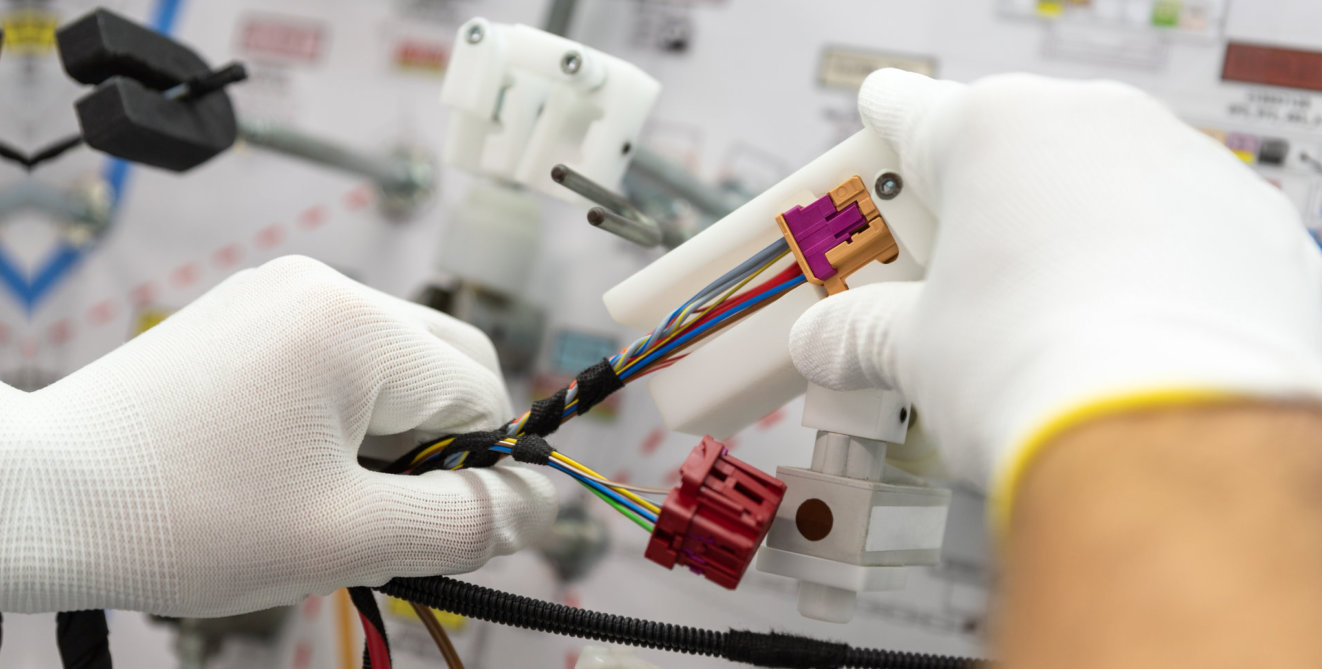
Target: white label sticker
[
  {"x": 904, "y": 528},
  {"x": 846, "y": 68}
]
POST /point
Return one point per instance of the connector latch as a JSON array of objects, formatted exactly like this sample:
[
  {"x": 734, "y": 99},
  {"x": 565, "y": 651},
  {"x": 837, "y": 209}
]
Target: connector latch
[
  {"x": 714, "y": 521},
  {"x": 838, "y": 234}
]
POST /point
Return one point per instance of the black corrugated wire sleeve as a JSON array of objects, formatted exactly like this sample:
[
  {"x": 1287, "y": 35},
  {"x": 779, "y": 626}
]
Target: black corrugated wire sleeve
[
  {"x": 83, "y": 639},
  {"x": 765, "y": 649}
]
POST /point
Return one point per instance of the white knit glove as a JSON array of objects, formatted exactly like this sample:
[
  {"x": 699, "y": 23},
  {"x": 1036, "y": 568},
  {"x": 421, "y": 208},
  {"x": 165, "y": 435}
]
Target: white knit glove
[
  {"x": 208, "y": 467},
  {"x": 1094, "y": 255}
]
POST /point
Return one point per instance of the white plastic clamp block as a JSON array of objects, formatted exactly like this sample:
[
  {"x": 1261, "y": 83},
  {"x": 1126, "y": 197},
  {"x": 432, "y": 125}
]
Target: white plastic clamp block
[
  {"x": 523, "y": 100},
  {"x": 492, "y": 236},
  {"x": 866, "y": 523},
  {"x": 731, "y": 380},
  {"x": 828, "y": 590},
  {"x": 602, "y": 657},
  {"x": 869, "y": 413},
  {"x": 844, "y": 534}
]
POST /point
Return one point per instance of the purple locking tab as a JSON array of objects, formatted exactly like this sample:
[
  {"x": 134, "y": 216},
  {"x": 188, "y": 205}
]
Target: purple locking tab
[{"x": 818, "y": 228}]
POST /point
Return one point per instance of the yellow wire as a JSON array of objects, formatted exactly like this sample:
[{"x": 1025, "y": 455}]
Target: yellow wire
[
  {"x": 431, "y": 450},
  {"x": 647, "y": 504},
  {"x": 584, "y": 469},
  {"x": 565, "y": 459}
]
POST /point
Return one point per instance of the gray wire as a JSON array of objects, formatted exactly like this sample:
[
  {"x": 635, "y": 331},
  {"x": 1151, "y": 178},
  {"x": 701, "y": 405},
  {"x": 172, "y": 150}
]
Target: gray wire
[{"x": 716, "y": 287}]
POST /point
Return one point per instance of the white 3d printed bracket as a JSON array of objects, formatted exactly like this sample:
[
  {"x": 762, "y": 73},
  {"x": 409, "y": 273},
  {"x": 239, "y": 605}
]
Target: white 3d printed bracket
[{"x": 524, "y": 100}]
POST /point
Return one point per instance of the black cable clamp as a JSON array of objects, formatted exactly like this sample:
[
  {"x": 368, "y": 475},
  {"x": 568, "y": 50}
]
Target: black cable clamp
[{"x": 155, "y": 101}]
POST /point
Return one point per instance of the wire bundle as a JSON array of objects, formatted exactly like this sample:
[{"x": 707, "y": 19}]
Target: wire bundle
[
  {"x": 716, "y": 306},
  {"x": 711, "y": 309}
]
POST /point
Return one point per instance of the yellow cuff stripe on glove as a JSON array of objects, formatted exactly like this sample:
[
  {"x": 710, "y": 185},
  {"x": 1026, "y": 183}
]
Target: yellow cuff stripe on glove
[{"x": 1001, "y": 501}]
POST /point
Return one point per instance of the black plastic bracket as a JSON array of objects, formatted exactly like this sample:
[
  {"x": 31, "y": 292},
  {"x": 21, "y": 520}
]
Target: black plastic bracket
[{"x": 148, "y": 105}]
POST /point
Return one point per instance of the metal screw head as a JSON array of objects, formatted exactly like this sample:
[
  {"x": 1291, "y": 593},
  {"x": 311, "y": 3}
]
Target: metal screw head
[
  {"x": 571, "y": 62},
  {"x": 475, "y": 33},
  {"x": 889, "y": 185}
]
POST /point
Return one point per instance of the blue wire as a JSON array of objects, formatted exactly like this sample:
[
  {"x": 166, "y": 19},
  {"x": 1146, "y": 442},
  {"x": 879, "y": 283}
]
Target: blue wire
[
  {"x": 624, "y": 501},
  {"x": 665, "y": 350}
]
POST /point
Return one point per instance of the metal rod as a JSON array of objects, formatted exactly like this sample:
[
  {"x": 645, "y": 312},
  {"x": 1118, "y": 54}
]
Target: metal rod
[
  {"x": 627, "y": 228},
  {"x": 598, "y": 194},
  {"x": 707, "y": 199},
  {"x": 559, "y": 16},
  {"x": 298, "y": 144},
  {"x": 81, "y": 205},
  {"x": 404, "y": 180},
  {"x": 212, "y": 81}
]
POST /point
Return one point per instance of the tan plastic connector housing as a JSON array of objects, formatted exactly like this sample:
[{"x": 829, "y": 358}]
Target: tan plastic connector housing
[{"x": 873, "y": 242}]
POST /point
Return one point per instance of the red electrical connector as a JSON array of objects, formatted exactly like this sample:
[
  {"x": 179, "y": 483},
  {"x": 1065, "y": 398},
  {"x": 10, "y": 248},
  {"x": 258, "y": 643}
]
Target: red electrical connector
[{"x": 714, "y": 521}]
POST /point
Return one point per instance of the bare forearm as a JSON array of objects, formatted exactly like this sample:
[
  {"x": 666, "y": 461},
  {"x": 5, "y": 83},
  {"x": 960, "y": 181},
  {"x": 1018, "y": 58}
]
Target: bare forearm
[{"x": 1177, "y": 538}]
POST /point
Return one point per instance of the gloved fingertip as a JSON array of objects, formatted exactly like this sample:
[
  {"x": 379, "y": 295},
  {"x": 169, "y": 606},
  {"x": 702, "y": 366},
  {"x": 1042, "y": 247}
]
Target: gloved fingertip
[
  {"x": 892, "y": 102},
  {"x": 532, "y": 487},
  {"x": 524, "y": 504},
  {"x": 469, "y": 339},
  {"x": 818, "y": 350},
  {"x": 447, "y": 522},
  {"x": 480, "y": 402},
  {"x": 848, "y": 341}
]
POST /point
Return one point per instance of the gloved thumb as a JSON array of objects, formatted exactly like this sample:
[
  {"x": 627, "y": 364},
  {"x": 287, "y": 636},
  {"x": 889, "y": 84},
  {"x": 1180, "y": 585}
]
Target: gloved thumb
[
  {"x": 854, "y": 340},
  {"x": 901, "y": 106},
  {"x": 453, "y": 522}
]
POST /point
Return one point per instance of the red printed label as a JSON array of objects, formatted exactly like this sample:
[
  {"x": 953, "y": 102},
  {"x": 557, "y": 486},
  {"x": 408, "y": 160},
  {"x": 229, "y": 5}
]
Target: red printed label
[
  {"x": 286, "y": 39},
  {"x": 1273, "y": 66}
]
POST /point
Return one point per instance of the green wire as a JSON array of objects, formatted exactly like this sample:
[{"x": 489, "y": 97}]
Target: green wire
[{"x": 619, "y": 507}]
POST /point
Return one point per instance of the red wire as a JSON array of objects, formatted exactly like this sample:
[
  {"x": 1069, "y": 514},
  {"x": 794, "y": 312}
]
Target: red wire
[
  {"x": 784, "y": 275},
  {"x": 376, "y": 644},
  {"x": 661, "y": 365}
]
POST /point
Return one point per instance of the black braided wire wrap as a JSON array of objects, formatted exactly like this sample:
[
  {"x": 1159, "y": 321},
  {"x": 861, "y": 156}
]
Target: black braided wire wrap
[
  {"x": 366, "y": 604},
  {"x": 476, "y": 444},
  {"x": 595, "y": 384},
  {"x": 475, "y": 601},
  {"x": 83, "y": 639}
]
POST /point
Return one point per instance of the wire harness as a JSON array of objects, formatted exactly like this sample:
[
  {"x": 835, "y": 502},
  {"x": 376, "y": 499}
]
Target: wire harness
[
  {"x": 716, "y": 306},
  {"x": 719, "y": 304}
]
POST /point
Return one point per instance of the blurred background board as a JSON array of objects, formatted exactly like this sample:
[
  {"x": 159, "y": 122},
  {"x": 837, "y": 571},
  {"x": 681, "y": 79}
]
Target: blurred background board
[{"x": 752, "y": 89}]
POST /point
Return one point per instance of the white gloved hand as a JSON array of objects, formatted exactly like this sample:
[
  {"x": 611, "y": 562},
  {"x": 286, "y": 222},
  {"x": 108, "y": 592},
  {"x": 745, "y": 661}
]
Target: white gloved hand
[
  {"x": 1094, "y": 255},
  {"x": 208, "y": 467}
]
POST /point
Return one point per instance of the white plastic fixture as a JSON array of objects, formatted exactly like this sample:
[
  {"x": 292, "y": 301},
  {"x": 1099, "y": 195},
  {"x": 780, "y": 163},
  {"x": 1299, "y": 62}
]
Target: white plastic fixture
[
  {"x": 602, "y": 657},
  {"x": 863, "y": 523},
  {"x": 523, "y": 100},
  {"x": 745, "y": 373}
]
